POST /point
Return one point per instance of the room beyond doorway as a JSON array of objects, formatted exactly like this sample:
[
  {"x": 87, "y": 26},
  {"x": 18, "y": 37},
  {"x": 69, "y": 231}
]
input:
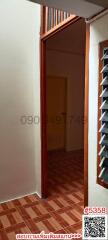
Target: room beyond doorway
[{"x": 72, "y": 67}]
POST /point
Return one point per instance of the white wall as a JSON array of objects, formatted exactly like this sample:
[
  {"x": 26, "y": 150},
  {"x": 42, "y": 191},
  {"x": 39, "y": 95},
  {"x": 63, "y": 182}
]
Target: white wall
[
  {"x": 65, "y": 58},
  {"x": 19, "y": 95},
  {"x": 71, "y": 67},
  {"x": 98, "y": 196}
]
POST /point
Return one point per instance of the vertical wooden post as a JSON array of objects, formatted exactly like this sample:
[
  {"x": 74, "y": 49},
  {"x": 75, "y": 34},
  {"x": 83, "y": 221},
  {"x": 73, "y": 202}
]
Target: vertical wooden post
[
  {"x": 44, "y": 163},
  {"x": 86, "y": 111}
]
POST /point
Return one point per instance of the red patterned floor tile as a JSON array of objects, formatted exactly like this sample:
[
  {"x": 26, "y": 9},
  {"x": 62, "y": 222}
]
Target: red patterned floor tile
[{"x": 61, "y": 212}]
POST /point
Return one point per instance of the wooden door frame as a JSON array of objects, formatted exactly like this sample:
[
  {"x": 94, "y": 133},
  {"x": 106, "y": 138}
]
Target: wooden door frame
[{"x": 44, "y": 159}]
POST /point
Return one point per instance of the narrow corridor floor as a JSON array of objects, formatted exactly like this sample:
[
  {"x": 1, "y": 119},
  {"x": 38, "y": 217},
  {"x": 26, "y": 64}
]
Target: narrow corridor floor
[{"x": 61, "y": 212}]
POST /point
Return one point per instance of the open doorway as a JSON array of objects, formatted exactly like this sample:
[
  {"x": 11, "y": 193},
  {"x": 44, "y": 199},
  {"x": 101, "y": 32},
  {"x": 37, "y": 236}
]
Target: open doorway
[
  {"x": 65, "y": 80},
  {"x": 63, "y": 100}
]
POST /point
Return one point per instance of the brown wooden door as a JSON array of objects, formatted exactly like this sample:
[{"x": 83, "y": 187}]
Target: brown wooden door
[{"x": 56, "y": 112}]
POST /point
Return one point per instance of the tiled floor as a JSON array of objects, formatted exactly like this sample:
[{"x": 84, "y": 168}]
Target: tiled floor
[{"x": 60, "y": 212}]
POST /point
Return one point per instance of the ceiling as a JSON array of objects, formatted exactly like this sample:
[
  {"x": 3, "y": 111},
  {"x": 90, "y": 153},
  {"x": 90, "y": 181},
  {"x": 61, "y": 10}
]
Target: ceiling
[
  {"x": 102, "y": 3},
  {"x": 82, "y": 8}
]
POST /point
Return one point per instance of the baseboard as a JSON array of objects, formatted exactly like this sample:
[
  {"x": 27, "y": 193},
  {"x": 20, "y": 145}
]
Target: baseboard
[{"x": 25, "y": 195}]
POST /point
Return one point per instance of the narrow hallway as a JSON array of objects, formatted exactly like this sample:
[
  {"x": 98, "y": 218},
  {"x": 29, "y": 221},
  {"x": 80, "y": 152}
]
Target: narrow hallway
[{"x": 61, "y": 212}]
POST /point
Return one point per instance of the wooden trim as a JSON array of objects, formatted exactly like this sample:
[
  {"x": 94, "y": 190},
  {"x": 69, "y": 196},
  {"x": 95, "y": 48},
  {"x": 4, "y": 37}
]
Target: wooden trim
[
  {"x": 56, "y": 17},
  {"x": 44, "y": 163},
  {"x": 52, "y": 10},
  {"x": 86, "y": 110},
  {"x": 46, "y": 19},
  {"x": 102, "y": 45},
  {"x": 43, "y": 14},
  {"x": 97, "y": 15}
]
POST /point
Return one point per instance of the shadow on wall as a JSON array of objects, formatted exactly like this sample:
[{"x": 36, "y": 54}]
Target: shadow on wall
[{"x": 19, "y": 96}]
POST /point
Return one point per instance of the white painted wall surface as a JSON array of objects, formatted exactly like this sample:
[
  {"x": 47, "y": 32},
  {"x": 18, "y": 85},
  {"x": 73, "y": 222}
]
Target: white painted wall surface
[
  {"x": 98, "y": 196},
  {"x": 20, "y": 169}
]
